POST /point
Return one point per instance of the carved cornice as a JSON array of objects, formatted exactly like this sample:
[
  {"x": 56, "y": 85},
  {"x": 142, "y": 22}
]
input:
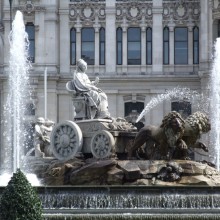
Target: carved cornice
[
  {"x": 29, "y": 8},
  {"x": 87, "y": 13},
  {"x": 181, "y": 12},
  {"x": 134, "y": 13},
  {"x": 215, "y": 5}
]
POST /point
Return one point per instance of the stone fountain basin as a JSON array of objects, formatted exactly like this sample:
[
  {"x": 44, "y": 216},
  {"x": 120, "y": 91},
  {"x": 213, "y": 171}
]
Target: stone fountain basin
[
  {"x": 121, "y": 172},
  {"x": 88, "y": 202}
]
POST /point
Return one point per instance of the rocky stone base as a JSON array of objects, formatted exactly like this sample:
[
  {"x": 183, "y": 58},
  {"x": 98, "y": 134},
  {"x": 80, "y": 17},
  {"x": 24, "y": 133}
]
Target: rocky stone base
[{"x": 123, "y": 172}]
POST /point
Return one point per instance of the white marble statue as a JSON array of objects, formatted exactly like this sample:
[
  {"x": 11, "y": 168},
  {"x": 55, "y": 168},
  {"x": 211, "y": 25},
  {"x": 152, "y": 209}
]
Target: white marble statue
[
  {"x": 95, "y": 98},
  {"x": 42, "y": 138}
]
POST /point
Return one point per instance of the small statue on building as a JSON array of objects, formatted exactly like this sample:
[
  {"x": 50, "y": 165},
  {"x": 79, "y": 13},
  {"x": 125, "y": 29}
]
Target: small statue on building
[
  {"x": 42, "y": 139},
  {"x": 96, "y": 102}
]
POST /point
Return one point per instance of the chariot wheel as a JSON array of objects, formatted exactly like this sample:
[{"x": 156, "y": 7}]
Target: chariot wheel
[
  {"x": 66, "y": 140},
  {"x": 102, "y": 144}
]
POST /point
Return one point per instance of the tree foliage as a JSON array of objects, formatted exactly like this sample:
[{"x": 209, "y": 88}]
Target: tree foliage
[{"x": 19, "y": 200}]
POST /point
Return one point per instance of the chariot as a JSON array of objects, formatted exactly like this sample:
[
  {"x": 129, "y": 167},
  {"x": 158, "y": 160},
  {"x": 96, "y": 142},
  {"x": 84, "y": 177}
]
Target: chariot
[
  {"x": 103, "y": 138},
  {"x": 95, "y": 136}
]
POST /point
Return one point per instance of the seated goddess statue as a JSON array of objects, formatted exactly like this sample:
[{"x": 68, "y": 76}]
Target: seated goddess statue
[{"x": 95, "y": 98}]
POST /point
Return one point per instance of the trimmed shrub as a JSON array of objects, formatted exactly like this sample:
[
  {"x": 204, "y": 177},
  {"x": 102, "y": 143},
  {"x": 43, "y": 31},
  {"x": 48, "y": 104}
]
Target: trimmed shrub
[{"x": 19, "y": 200}]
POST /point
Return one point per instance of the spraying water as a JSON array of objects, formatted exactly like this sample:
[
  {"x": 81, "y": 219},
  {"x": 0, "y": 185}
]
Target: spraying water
[
  {"x": 179, "y": 94},
  {"x": 19, "y": 93},
  {"x": 215, "y": 103},
  {"x": 18, "y": 86}
]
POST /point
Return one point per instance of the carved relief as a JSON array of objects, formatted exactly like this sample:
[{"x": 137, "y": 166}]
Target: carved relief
[
  {"x": 134, "y": 13},
  {"x": 87, "y": 13},
  {"x": 215, "y": 5},
  {"x": 29, "y": 8},
  {"x": 181, "y": 12}
]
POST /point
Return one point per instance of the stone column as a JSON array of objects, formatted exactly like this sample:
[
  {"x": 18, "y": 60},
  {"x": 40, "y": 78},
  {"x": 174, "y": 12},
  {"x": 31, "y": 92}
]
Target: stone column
[
  {"x": 78, "y": 42},
  {"x": 190, "y": 45},
  {"x": 97, "y": 49},
  {"x": 40, "y": 55},
  {"x": 124, "y": 49},
  {"x": 110, "y": 33},
  {"x": 204, "y": 35},
  {"x": 64, "y": 58},
  {"x": 143, "y": 50},
  {"x": 157, "y": 37},
  {"x": 171, "y": 48},
  {"x": 51, "y": 37}
]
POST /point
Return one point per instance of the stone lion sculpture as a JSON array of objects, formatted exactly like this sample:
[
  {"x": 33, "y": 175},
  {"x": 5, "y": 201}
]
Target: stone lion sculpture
[
  {"x": 195, "y": 125},
  {"x": 161, "y": 141},
  {"x": 172, "y": 138}
]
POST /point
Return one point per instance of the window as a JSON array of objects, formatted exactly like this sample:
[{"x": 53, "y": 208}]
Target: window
[
  {"x": 119, "y": 46},
  {"x": 102, "y": 46},
  {"x": 166, "y": 45},
  {"x": 195, "y": 45},
  {"x": 88, "y": 45},
  {"x": 132, "y": 111},
  {"x": 134, "y": 46},
  {"x": 73, "y": 46},
  {"x": 218, "y": 28},
  {"x": 30, "y": 109},
  {"x": 183, "y": 107},
  {"x": 181, "y": 46},
  {"x": 149, "y": 46},
  {"x": 30, "y": 29}
]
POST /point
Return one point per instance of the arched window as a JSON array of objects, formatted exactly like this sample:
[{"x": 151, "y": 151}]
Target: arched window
[
  {"x": 73, "y": 46},
  {"x": 149, "y": 46},
  {"x": 119, "y": 46},
  {"x": 102, "y": 46},
  {"x": 195, "y": 45},
  {"x": 166, "y": 42},
  {"x": 181, "y": 45},
  {"x": 134, "y": 46},
  {"x": 30, "y": 29},
  {"x": 88, "y": 45}
]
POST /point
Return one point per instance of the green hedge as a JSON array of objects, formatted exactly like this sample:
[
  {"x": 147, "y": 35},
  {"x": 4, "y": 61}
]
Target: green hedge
[{"x": 19, "y": 200}]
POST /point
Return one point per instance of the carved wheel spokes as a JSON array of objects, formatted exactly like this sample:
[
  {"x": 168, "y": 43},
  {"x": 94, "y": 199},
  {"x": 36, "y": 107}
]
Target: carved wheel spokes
[
  {"x": 102, "y": 144},
  {"x": 66, "y": 140}
]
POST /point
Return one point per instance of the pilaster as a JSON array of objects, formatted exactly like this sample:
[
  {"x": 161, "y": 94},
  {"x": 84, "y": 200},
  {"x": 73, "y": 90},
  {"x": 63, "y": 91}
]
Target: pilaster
[
  {"x": 190, "y": 45},
  {"x": 124, "y": 48},
  {"x": 171, "y": 45},
  {"x": 110, "y": 37},
  {"x": 96, "y": 48},
  {"x": 143, "y": 45},
  {"x": 64, "y": 41},
  {"x": 78, "y": 42},
  {"x": 40, "y": 56},
  {"x": 204, "y": 34},
  {"x": 157, "y": 37}
]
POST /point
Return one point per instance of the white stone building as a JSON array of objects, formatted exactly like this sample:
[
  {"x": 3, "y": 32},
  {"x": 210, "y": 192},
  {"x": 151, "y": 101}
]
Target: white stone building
[{"x": 138, "y": 48}]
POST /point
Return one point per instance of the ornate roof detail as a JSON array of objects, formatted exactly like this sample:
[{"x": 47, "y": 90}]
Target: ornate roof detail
[
  {"x": 29, "y": 7},
  {"x": 87, "y": 12},
  {"x": 215, "y": 5},
  {"x": 181, "y": 12},
  {"x": 136, "y": 13}
]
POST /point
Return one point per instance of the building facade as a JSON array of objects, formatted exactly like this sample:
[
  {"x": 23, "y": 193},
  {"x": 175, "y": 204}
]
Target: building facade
[{"x": 138, "y": 49}]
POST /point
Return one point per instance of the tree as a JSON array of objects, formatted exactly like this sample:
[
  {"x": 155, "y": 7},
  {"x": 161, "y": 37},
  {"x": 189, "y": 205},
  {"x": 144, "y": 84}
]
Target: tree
[{"x": 19, "y": 200}]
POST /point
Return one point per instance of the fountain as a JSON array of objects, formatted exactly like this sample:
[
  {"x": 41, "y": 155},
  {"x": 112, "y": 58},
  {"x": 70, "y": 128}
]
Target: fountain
[
  {"x": 215, "y": 103},
  {"x": 108, "y": 182},
  {"x": 19, "y": 95}
]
